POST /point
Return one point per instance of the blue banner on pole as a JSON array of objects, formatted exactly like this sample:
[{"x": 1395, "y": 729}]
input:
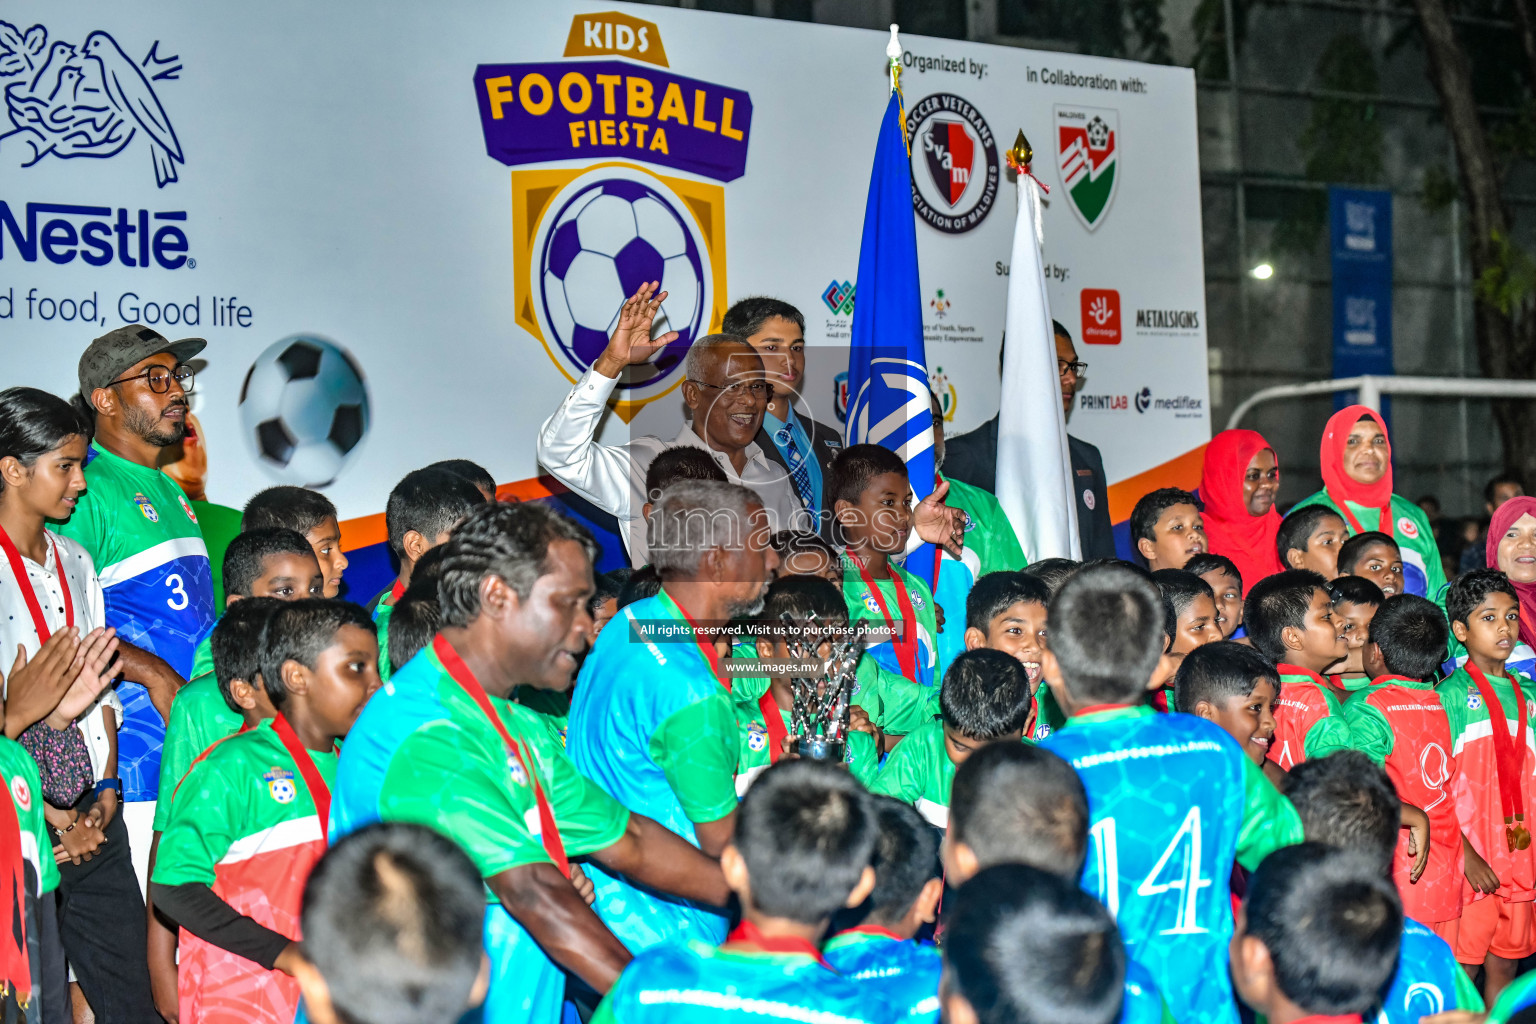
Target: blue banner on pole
[{"x": 1360, "y": 237}]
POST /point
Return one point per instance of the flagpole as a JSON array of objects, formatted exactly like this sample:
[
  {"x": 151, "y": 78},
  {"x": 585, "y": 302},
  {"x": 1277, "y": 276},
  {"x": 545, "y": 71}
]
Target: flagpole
[{"x": 893, "y": 55}]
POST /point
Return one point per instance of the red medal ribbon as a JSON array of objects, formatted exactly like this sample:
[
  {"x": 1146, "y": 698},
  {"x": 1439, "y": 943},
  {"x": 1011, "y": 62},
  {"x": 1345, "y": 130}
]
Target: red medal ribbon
[
  {"x": 906, "y": 644},
  {"x": 397, "y": 591},
  {"x": 318, "y": 790},
  {"x": 15, "y": 962},
  {"x": 244, "y": 727},
  {"x": 549, "y": 831},
  {"x": 1094, "y": 708},
  {"x": 1508, "y": 751},
  {"x": 872, "y": 929},
  {"x": 13, "y": 556},
  {"x": 1287, "y": 669},
  {"x": 772, "y": 720},
  {"x": 749, "y": 934}
]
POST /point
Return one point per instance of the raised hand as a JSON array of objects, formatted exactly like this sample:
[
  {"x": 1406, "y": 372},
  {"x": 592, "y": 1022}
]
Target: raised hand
[
  {"x": 937, "y": 523},
  {"x": 37, "y": 685},
  {"x": 631, "y": 343},
  {"x": 95, "y": 666}
]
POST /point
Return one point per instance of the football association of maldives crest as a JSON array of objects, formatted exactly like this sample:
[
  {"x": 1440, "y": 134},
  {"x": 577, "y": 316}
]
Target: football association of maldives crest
[
  {"x": 954, "y": 163},
  {"x": 1087, "y": 150}
]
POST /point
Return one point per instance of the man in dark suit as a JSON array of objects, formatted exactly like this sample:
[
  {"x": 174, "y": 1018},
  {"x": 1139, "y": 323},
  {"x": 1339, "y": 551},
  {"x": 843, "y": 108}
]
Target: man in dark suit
[
  {"x": 789, "y": 437},
  {"x": 972, "y": 457}
]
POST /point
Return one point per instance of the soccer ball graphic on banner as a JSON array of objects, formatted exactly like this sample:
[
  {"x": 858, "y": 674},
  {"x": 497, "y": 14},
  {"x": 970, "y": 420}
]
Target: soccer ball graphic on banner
[
  {"x": 610, "y": 236},
  {"x": 304, "y": 409}
]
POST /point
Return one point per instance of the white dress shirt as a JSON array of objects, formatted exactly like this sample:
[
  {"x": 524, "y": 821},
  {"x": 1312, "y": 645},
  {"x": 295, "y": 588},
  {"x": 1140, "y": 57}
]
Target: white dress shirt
[
  {"x": 612, "y": 477},
  {"x": 16, "y": 628}
]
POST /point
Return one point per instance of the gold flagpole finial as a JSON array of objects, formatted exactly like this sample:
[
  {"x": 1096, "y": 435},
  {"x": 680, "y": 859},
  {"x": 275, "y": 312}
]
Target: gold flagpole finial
[{"x": 1021, "y": 154}]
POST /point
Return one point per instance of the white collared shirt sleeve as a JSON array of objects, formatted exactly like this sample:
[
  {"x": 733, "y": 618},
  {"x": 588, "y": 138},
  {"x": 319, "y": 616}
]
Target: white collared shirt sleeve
[{"x": 568, "y": 448}]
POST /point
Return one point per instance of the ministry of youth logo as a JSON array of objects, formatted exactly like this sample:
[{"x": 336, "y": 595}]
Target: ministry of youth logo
[
  {"x": 954, "y": 163},
  {"x": 90, "y": 100},
  {"x": 1087, "y": 152},
  {"x": 608, "y": 232}
]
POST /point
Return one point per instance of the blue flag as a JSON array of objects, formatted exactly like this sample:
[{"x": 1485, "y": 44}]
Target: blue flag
[{"x": 888, "y": 392}]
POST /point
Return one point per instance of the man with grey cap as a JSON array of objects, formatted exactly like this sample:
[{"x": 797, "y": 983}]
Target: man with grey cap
[{"x": 145, "y": 540}]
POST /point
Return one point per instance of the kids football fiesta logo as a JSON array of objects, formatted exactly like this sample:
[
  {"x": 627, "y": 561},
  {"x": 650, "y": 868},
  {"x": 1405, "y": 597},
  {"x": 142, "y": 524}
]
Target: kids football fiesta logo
[
  {"x": 1087, "y": 152},
  {"x": 585, "y": 238}
]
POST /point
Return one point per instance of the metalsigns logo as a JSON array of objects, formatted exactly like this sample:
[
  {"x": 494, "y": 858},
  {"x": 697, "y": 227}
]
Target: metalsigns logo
[
  {"x": 954, "y": 163},
  {"x": 1087, "y": 152},
  {"x": 585, "y": 238},
  {"x": 1101, "y": 316},
  {"x": 85, "y": 101},
  {"x": 839, "y": 298}
]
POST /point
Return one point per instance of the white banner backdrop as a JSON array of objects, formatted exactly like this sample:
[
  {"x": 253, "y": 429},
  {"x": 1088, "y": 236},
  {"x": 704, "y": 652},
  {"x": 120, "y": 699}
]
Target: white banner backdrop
[{"x": 449, "y": 200}]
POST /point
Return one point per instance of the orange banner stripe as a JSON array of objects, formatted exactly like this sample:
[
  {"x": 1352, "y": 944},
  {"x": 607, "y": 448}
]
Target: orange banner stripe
[
  {"x": 365, "y": 531},
  {"x": 1183, "y": 472}
]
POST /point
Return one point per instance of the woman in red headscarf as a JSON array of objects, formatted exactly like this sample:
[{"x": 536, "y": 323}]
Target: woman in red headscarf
[
  {"x": 1512, "y": 550},
  {"x": 1238, "y": 487},
  {"x": 1356, "y": 461}
]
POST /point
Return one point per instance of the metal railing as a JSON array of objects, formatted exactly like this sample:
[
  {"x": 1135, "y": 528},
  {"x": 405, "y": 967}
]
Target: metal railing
[{"x": 1372, "y": 387}]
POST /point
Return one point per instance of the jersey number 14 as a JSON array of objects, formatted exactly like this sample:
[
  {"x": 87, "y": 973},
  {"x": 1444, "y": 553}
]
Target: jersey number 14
[{"x": 1177, "y": 870}]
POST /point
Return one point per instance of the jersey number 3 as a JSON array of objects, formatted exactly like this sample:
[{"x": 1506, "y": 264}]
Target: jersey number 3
[
  {"x": 1177, "y": 870},
  {"x": 179, "y": 599}
]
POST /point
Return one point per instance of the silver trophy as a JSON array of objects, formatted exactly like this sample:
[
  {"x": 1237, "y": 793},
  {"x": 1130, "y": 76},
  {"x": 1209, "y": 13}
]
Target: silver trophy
[{"x": 818, "y": 723}]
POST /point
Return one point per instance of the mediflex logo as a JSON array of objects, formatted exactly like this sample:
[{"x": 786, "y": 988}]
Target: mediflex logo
[{"x": 96, "y": 235}]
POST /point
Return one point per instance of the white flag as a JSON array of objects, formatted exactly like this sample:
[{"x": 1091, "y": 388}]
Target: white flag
[{"x": 1034, "y": 468}]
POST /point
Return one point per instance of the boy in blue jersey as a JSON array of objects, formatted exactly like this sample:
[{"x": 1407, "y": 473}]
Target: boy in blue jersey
[
  {"x": 652, "y": 721},
  {"x": 1346, "y": 800},
  {"x": 1163, "y": 873},
  {"x": 1317, "y": 938},
  {"x": 1025, "y": 946},
  {"x": 882, "y": 949},
  {"x": 1019, "y": 804},
  {"x": 800, "y": 853}
]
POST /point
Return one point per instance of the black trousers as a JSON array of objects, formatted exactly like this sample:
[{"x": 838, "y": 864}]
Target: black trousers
[{"x": 102, "y": 929}]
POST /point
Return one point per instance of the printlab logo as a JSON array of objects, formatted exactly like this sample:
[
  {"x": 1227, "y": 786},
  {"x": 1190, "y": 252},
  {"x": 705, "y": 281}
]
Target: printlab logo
[
  {"x": 1101, "y": 316},
  {"x": 839, "y": 298},
  {"x": 85, "y": 101},
  {"x": 1087, "y": 150},
  {"x": 1103, "y": 403},
  {"x": 939, "y": 304},
  {"x": 954, "y": 163}
]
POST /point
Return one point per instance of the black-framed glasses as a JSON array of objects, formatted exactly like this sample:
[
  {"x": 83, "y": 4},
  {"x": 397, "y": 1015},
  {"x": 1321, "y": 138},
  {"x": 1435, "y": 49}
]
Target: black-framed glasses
[
  {"x": 1075, "y": 367},
  {"x": 756, "y": 388},
  {"x": 160, "y": 379}
]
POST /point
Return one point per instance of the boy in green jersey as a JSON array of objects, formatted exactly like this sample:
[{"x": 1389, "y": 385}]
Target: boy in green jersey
[
  {"x": 871, "y": 495},
  {"x": 1005, "y": 612},
  {"x": 984, "y": 699},
  {"x": 1318, "y": 936},
  {"x": 1310, "y": 538},
  {"x": 877, "y": 942},
  {"x": 271, "y": 561},
  {"x": 1023, "y": 943},
  {"x": 1167, "y": 529},
  {"x": 422, "y": 510},
  {"x": 305, "y": 512},
  {"x": 763, "y": 718},
  {"x": 250, "y": 818},
  {"x": 800, "y": 852},
  {"x": 1376, "y": 557},
  {"x": 1022, "y": 804},
  {"x": 1355, "y": 600}
]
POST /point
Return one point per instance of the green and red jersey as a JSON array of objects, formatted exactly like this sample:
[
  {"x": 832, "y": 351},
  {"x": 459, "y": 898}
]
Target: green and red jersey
[
  {"x": 39, "y": 875},
  {"x": 199, "y": 719},
  {"x": 1309, "y": 721},
  {"x": 246, "y": 824},
  {"x": 1402, "y": 725},
  {"x": 882, "y": 606},
  {"x": 1409, "y": 527},
  {"x": 1479, "y": 803},
  {"x": 756, "y": 755},
  {"x": 919, "y": 772}
]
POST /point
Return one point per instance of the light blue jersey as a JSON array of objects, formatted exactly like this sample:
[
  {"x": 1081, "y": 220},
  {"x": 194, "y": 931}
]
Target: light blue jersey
[
  {"x": 902, "y": 972},
  {"x": 1173, "y": 802},
  {"x": 1428, "y": 980},
  {"x": 651, "y": 724}
]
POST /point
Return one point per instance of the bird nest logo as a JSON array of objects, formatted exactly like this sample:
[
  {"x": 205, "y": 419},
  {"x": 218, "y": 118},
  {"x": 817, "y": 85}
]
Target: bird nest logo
[
  {"x": 597, "y": 237},
  {"x": 90, "y": 100}
]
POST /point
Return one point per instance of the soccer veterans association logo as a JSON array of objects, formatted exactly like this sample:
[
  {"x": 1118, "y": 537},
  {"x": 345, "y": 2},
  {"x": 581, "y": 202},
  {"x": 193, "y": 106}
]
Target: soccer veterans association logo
[
  {"x": 1087, "y": 152},
  {"x": 146, "y": 507},
  {"x": 954, "y": 163},
  {"x": 757, "y": 738},
  {"x": 280, "y": 785},
  {"x": 586, "y": 237}
]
